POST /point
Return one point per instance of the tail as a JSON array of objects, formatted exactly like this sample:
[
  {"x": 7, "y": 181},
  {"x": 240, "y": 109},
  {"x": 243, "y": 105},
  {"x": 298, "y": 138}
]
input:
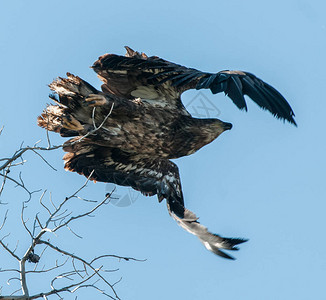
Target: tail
[
  {"x": 51, "y": 118},
  {"x": 69, "y": 116}
]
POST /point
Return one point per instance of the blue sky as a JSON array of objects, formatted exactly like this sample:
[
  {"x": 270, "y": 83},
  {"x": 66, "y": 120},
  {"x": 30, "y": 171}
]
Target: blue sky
[{"x": 263, "y": 180}]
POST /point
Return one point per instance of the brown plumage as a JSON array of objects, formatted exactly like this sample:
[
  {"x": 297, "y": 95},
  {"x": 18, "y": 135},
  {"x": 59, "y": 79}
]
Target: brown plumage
[{"x": 138, "y": 122}]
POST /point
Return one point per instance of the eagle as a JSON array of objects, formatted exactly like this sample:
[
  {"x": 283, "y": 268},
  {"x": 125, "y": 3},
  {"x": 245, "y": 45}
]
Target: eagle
[{"x": 128, "y": 132}]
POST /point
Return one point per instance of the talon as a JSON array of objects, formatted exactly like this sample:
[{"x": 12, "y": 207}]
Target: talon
[
  {"x": 70, "y": 122},
  {"x": 95, "y": 100},
  {"x": 88, "y": 102}
]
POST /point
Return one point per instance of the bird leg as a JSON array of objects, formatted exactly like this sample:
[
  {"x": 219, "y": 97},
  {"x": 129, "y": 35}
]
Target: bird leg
[
  {"x": 71, "y": 123},
  {"x": 94, "y": 100}
]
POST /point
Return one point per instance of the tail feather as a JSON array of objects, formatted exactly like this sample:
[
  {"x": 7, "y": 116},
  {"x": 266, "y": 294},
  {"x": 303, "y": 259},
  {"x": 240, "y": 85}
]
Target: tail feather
[
  {"x": 71, "y": 87},
  {"x": 50, "y": 119},
  {"x": 69, "y": 94}
]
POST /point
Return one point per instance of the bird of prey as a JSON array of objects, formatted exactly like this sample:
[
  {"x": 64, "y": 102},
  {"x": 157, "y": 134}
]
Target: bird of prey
[{"x": 127, "y": 133}]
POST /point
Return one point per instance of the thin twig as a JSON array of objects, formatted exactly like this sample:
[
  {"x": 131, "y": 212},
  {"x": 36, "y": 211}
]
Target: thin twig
[
  {"x": 81, "y": 215},
  {"x": 81, "y": 260},
  {"x": 21, "y": 185},
  {"x": 9, "y": 251},
  {"x": 4, "y": 220},
  {"x": 53, "y": 168}
]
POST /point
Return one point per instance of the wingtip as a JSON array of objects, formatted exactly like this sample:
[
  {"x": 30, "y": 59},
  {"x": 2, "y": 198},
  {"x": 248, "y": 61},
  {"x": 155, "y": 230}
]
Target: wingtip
[
  {"x": 224, "y": 255},
  {"x": 232, "y": 242},
  {"x": 293, "y": 122},
  {"x": 289, "y": 119}
]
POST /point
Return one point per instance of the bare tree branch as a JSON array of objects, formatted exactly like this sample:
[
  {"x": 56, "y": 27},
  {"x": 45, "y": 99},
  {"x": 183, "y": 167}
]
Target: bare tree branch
[
  {"x": 9, "y": 251},
  {"x": 85, "y": 274},
  {"x": 4, "y": 220},
  {"x": 80, "y": 272}
]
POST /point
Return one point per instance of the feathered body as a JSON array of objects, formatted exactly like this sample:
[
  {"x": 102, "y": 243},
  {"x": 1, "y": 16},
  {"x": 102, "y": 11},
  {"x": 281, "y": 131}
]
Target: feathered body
[{"x": 126, "y": 133}]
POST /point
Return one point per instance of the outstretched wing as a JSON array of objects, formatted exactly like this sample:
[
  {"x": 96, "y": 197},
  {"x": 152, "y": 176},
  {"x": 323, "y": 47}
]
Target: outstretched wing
[
  {"x": 137, "y": 75},
  {"x": 211, "y": 241},
  {"x": 147, "y": 175}
]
